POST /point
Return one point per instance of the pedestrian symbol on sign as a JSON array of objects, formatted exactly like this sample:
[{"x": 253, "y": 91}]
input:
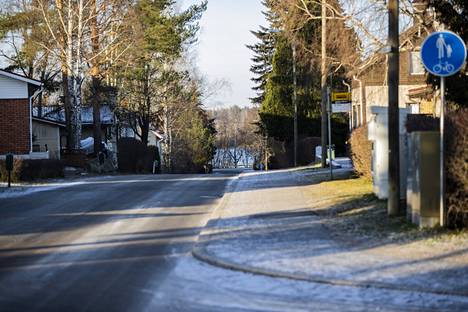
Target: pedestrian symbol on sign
[
  {"x": 442, "y": 45},
  {"x": 445, "y": 52}
]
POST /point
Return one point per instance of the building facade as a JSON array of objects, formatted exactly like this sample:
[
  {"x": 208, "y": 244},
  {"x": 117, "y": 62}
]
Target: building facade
[{"x": 16, "y": 95}]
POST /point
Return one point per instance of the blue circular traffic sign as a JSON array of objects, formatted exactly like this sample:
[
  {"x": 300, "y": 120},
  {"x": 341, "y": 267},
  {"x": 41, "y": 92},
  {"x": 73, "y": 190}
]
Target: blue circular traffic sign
[{"x": 443, "y": 53}]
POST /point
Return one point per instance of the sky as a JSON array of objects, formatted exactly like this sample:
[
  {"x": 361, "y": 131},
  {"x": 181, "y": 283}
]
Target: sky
[{"x": 221, "y": 52}]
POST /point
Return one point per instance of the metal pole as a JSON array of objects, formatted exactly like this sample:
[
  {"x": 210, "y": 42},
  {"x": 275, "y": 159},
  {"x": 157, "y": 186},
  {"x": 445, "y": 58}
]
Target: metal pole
[
  {"x": 442, "y": 164},
  {"x": 329, "y": 111},
  {"x": 266, "y": 153},
  {"x": 393, "y": 110},
  {"x": 295, "y": 104},
  {"x": 350, "y": 112}
]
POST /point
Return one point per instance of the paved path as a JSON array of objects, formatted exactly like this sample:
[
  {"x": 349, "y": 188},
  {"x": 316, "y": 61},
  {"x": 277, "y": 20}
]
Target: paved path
[{"x": 265, "y": 226}]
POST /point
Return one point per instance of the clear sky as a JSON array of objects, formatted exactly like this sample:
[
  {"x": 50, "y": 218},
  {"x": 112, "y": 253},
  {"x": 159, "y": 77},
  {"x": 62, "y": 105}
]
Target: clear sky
[{"x": 221, "y": 50}]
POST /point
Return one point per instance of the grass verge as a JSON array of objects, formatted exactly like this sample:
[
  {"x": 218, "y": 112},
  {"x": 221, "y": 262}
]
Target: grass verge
[{"x": 352, "y": 213}]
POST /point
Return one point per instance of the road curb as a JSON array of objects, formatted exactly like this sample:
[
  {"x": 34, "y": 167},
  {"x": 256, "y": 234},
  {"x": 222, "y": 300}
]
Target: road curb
[{"x": 201, "y": 254}]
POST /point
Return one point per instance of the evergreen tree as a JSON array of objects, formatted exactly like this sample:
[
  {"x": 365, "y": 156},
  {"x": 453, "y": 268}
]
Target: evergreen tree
[
  {"x": 263, "y": 52},
  {"x": 454, "y": 14},
  {"x": 160, "y": 36}
]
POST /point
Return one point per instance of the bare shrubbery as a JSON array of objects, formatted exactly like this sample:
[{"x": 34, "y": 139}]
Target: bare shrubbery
[
  {"x": 32, "y": 169},
  {"x": 361, "y": 151},
  {"x": 456, "y": 161}
]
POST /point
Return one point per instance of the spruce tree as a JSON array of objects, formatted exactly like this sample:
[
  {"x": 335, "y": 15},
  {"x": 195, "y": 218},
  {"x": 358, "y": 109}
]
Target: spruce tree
[{"x": 263, "y": 52}]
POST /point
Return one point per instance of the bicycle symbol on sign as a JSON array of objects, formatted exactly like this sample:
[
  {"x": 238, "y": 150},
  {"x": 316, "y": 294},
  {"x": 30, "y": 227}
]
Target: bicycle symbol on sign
[
  {"x": 444, "y": 52},
  {"x": 446, "y": 67}
]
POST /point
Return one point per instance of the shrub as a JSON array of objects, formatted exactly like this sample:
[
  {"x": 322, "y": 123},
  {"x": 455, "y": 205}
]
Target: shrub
[
  {"x": 74, "y": 158},
  {"x": 361, "y": 151},
  {"x": 32, "y": 169},
  {"x": 456, "y": 162},
  {"x": 306, "y": 150},
  {"x": 136, "y": 157}
]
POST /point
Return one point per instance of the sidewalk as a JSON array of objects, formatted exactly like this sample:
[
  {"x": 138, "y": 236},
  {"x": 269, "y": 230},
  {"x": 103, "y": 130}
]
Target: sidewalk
[
  {"x": 27, "y": 188},
  {"x": 266, "y": 224}
]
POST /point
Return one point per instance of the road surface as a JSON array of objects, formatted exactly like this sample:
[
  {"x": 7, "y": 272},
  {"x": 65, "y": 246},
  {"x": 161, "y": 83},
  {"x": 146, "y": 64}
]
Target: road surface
[
  {"x": 124, "y": 244},
  {"x": 104, "y": 245}
]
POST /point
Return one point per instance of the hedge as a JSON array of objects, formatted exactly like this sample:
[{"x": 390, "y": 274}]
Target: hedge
[
  {"x": 456, "y": 166},
  {"x": 136, "y": 157},
  {"x": 32, "y": 169},
  {"x": 360, "y": 150}
]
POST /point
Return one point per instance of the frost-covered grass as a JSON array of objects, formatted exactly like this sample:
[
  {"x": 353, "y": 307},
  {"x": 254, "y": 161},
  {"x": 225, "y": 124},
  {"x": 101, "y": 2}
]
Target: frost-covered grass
[{"x": 353, "y": 214}]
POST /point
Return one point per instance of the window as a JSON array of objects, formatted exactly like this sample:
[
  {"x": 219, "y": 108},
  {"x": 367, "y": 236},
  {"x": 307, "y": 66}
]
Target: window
[{"x": 416, "y": 66}]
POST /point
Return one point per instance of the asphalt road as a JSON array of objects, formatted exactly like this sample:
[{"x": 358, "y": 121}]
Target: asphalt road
[
  {"x": 124, "y": 244},
  {"x": 104, "y": 245}
]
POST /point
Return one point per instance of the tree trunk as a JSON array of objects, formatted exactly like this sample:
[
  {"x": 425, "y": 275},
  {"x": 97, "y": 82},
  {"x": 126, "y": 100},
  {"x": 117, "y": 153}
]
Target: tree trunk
[
  {"x": 74, "y": 87},
  {"x": 96, "y": 81},
  {"x": 67, "y": 107},
  {"x": 95, "y": 99},
  {"x": 144, "y": 126}
]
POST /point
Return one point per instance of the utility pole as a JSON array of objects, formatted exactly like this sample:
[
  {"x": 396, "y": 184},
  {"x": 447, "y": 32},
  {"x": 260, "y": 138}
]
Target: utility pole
[
  {"x": 324, "y": 74},
  {"x": 329, "y": 112},
  {"x": 295, "y": 103},
  {"x": 393, "y": 110}
]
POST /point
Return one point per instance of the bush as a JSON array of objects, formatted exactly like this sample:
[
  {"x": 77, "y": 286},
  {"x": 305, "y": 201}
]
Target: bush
[
  {"x": 306, "y": 150},
  {"x": 456, "y": 162},
  {"x": 361, "y": 151},
  {"x": 32, "y": 169},
  {"x": 74, "y": 158},
  {"x": 281, "y": 128},
  {"x": 136, "y": 157}
]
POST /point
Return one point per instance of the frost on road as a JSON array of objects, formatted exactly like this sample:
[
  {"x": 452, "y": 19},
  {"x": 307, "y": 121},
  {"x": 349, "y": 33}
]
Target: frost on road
[{"x": 125, "y": 244}]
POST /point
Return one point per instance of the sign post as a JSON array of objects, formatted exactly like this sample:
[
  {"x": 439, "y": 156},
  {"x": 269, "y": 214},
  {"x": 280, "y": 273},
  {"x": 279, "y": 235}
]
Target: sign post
[
  {"x": 443, "y": 54},
  {"x": 329, "y": 111},
  {"x": 9, "y": 167}
]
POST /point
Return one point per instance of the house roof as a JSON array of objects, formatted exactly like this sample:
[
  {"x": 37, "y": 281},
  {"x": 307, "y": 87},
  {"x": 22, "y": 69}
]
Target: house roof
[
  {"x": 57, "y": 114},
  {"x": 406, "y": 38},
  {"x": 158, "y": 135},
  {"x": 20, "y": 78},
  {"x": 420, "y": 91},
  {"x": 48, "y": 122}
]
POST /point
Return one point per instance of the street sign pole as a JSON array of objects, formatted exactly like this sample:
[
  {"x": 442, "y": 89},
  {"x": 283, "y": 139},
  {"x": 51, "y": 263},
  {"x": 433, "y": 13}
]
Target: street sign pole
[
  {"x": 442, "y": 143},
  {"x": 9, "y": 159},
  {"x": 295, "y": 104}
]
